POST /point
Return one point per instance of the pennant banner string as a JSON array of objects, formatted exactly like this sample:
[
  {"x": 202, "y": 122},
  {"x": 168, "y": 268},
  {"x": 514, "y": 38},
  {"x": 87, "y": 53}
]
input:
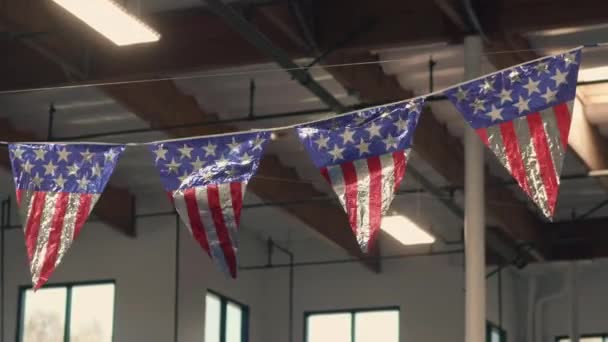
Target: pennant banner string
[
  {"x": 292, "y": 126},
  {"x": 521, "y": 113},
  {"x": 258, "y": 71}
]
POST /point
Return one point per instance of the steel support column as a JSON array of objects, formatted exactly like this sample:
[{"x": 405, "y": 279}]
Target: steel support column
[{"x": 474, "y": 220}]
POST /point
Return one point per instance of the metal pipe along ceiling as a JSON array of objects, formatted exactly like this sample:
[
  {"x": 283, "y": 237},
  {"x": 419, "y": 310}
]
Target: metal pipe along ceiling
[{"x": 255, "y": 37}]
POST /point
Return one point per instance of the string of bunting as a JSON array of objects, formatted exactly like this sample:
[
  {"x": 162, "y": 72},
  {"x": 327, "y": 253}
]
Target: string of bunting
[{"x": 522, "y": 114}]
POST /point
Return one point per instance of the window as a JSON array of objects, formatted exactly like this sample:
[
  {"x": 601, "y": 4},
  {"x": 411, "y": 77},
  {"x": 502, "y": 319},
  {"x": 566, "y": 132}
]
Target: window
[
  {"x": 369, "y": 325},
  {"x": 225, "y": 319},
  {"x": 585, "y": 338},
  {"x": 495, "y": 333},
  {"x": 73, "y": 312}
]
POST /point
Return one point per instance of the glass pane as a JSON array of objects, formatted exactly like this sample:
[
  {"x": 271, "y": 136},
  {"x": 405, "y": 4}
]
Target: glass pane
[
  {"x": 584, "y": 339},
  {"x": 329, "y": 328},
  {"x": 92, "y": 314},
  {"x": 44, "y": 315},
  {"x": 377, "y": 326},
  {"x": 234, "y": 319},
  {"x": 212, "y": 318},
  {"x": 495, "y": 335}
]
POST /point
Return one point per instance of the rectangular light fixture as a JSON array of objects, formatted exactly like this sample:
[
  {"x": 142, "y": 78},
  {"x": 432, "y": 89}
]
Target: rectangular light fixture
[
  {"x": 111, "y": 20},
  {"x": 597, "y": 98},
  {"x": 593, "y": 74},
  {"x": 405, "y": 231}
]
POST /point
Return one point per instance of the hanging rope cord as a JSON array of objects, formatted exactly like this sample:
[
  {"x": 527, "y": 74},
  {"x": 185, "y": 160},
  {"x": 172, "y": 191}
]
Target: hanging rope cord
[
  {"x": 268, "y": 70},
  {"x": 420, "y": 197}
]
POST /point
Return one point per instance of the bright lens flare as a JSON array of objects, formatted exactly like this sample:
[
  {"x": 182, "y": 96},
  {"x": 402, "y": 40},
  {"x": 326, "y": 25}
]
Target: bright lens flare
[
  {"x": 405, "y": 231},
  {"x": 111, "y": 20}
]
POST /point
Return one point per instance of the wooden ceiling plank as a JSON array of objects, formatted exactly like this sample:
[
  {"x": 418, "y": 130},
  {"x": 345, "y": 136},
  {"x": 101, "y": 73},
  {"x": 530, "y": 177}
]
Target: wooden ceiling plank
[
  {"x": 588, "y": 144},
  {"x": 195, "y": 39},
  {"x": 578, "y": 239},
  {"x": 451, "y": 10}
]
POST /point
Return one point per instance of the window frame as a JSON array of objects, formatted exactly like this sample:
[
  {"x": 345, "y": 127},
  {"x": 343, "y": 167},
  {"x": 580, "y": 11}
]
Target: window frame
[
  {"x": 490, "y": 326},
  {"x": 352, "y": 313},
  {"x": 224, "y": 300},
  {"x": 68, "y": 304},
  {"x": 604, "y": 336}
]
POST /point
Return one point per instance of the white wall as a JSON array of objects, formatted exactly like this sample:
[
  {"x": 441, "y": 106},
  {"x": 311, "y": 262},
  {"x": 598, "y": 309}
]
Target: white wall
[
  {"x": 143, "y": 269},
  {"x": 592, "y": 281},
  {"x": 513, "y": 302},
  {"x": 196, "y": 277},
  {"x": 429, "y": 290}
]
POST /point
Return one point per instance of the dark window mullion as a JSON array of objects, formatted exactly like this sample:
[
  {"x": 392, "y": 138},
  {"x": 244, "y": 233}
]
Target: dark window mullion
[
  {"x": 223, "y": 306},
  {"x": 352, "y": 326},
  {"x": 245, "y": 324},
  {"x": 21, "y": 310},
  {"x": 68, "y": 314},
  {"x": 223, "y": 319}
]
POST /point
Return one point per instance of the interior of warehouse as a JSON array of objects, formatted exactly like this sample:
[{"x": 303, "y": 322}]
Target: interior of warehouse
[{"x": 136, "y": 272}]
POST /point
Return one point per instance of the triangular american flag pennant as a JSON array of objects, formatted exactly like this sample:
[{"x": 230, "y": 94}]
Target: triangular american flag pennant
[
  {"x": 57, "y": 187},
  {"x": 523, "y": 116},
  {"x": 363, "y": 156},
  {"x": 206, "y": 180}
]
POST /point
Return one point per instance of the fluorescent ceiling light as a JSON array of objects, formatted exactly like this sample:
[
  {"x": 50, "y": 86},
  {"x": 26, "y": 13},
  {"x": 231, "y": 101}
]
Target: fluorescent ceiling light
[
  {"x": 593, "y": 74},
  {"x": 111, "y": 20},
  {"x": 598, "y": 98},
  {"x": 405, "y": 231},
  {"x": 316, "y": 99}
]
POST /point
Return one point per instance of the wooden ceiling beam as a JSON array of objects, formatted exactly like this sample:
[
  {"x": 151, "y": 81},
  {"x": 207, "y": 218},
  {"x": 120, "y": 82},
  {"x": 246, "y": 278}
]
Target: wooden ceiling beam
[
  {"x": 195, "y": 39},
  {"x": 115, "y": 206},
  {"x": 192, "y": 40},
  {"x": 452, "y": 10},
  {"x": 524, "y": 16},
  {"x": 580, "y": 239},
  {"x": 588, "y": 144},
  {"x": 508, "y": 41}
]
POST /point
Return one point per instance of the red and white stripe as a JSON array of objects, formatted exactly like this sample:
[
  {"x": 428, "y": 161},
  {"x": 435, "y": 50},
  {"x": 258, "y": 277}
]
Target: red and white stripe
[
  {"x": 532, "y": 148},
  {"x": 212, "y": 214},
  {"x": 366, "y": 188},
  {"x": 52, "y": 222}
]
